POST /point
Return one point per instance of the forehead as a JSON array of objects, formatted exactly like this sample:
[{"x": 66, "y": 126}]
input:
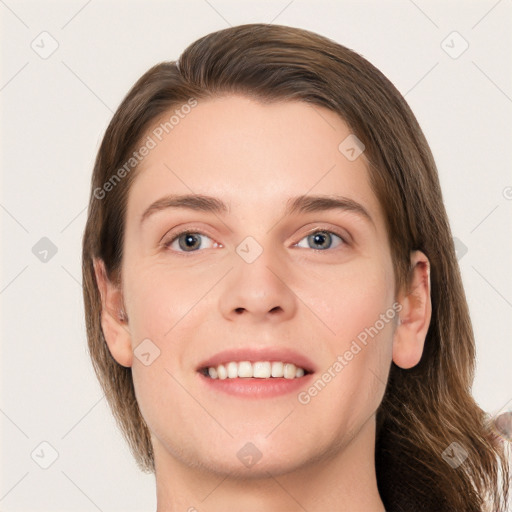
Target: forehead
[{"x": 248, "y": 153}]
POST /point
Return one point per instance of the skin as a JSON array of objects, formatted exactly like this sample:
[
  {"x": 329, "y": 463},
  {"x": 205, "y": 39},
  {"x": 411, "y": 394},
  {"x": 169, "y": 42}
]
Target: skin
[{"x": 315, "y": 456}]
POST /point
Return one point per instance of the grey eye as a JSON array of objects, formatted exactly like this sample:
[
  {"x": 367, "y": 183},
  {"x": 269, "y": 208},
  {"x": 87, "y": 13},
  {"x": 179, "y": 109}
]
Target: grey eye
[{"x": 320, "y": 240}]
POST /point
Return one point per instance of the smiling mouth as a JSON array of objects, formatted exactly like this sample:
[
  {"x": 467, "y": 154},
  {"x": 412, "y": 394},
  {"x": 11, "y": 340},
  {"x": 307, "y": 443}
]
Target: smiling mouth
[{"x": 256, "y": 370}]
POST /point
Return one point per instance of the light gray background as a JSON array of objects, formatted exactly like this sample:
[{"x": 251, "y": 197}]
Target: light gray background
[{"x": 54, "y": 113}]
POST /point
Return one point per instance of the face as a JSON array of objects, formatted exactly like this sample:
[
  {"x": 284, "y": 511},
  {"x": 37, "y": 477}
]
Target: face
[{"x": 260, "y": 282}]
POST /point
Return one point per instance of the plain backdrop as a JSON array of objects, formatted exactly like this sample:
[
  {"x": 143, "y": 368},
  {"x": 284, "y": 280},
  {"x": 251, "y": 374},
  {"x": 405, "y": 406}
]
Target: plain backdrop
[{"x": 65, "y": 68}]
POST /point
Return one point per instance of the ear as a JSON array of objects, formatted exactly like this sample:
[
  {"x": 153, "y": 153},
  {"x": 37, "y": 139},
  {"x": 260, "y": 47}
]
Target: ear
[
  {"x": 113, "y": 318},
  {"x": 415, "y": 315}
]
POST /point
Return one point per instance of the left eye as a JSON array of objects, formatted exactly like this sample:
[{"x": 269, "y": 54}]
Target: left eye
[
  {"x": 190, "y": 241},
  {"x": 322, "y": 238}
]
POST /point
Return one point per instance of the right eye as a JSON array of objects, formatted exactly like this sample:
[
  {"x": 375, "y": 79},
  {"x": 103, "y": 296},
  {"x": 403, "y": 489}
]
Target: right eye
[{"x": 187, "y": 241}]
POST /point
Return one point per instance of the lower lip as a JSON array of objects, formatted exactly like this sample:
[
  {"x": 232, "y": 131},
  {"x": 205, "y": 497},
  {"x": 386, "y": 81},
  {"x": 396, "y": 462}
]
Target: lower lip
[{"x": 257, "y": 388}]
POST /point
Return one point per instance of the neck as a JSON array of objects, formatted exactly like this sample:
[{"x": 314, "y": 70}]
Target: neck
[{"x": 343, "y": 480}]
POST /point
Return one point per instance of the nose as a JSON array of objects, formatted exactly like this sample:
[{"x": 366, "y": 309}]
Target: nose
[{"x": 258, "y": 291}]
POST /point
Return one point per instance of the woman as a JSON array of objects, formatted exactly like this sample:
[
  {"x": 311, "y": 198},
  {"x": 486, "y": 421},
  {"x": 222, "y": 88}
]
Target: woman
[{"x": 273, "y": 302}]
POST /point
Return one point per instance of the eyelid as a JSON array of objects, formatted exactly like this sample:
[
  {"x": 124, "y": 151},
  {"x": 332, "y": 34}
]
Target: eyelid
[{"x": 180, "y": 231}]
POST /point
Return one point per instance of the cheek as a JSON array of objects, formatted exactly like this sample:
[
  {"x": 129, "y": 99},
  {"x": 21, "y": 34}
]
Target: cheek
[
  {"x": 350, "y": 299},
  {"x": 163, "y": 313},
  {"x": 160, "y": 323},
  {"x": 350, "y": 386},
  {"x": 358, "y": 312},
  {"x": 159, "y": 302}
]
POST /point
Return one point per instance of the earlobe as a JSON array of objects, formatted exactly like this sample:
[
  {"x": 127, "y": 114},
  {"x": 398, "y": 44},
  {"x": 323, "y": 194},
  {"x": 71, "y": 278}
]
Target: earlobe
[
  {"x": 415, "y": 315},
  {"x": 113, "y": 318}
]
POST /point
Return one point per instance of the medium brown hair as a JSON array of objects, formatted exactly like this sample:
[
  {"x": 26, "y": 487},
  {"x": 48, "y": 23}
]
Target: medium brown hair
[{"x": 425, "y": 408}]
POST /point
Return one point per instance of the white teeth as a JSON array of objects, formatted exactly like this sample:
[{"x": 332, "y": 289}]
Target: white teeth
[
  {"x": 261, "y": 370},
  {"x": 277, "y": 369},
  {"x": 244, "y": 369},
  {"x": 257, "y": 370},
  {"x": 232, "y": 370},
  {"x": 289, "y": 371},
  {"x": 222, "y": 373}
]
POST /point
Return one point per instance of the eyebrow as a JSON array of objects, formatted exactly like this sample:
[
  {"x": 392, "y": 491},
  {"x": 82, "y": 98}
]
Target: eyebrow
[{"x": 294, "y": 205}]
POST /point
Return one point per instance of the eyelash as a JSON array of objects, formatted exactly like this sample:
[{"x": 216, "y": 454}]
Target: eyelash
[{"x": 167, "y": 244}]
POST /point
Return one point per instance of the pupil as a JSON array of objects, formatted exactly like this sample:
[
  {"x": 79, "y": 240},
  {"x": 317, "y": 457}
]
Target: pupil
[
  {"x": 189, "y": 242},
  {"x": 319, "y": 237}
]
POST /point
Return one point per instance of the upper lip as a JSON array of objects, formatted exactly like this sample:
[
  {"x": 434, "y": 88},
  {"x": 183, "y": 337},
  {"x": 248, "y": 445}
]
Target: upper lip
[{"x": 259, "y": 354}]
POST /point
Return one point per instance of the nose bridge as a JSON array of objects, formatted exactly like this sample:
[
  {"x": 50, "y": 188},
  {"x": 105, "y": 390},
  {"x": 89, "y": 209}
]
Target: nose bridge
[{"x": 256, "y": 286}]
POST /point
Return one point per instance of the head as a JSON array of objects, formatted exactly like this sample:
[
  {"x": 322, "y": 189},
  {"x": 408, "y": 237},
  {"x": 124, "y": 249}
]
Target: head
[{"x": 259, "y": 116}]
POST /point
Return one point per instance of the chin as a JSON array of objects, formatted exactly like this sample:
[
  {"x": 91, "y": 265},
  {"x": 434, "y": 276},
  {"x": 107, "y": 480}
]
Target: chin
[
  {"x": 256, "y": 457},
  {"x": 267, "y": 465}
]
